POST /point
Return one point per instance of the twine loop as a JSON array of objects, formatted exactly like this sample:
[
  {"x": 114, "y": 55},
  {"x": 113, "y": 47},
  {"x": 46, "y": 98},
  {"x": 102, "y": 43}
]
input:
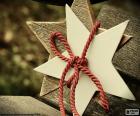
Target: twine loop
[{"x": 78, "y": 63}]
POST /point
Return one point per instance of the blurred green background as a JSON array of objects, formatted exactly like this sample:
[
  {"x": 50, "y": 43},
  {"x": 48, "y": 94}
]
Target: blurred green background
[{"x": 20, "y": 51}]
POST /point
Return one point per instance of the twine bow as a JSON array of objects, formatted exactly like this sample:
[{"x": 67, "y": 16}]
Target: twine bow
[{"x": 79, "y": 64}]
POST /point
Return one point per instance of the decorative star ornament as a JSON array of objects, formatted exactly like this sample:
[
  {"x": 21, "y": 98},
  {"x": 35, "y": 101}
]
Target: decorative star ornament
[
  {"x": 99, "y": 55},
  {"x": 42, "y": 30}
]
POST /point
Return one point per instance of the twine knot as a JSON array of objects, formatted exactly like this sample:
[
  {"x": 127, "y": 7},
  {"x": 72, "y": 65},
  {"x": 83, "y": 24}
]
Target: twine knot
[
  {"x": 77, "y": 61},
  {"x": 78, "y": 64}
]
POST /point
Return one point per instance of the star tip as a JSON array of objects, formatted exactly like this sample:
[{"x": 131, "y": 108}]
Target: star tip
[
  {"x": 134, "y": 99},
  {"x": 67, "y": 5},
  {"x": 28, "y": 22},
  {"x": 36, "y": 69},
  {"x": 127, "y": 21}
]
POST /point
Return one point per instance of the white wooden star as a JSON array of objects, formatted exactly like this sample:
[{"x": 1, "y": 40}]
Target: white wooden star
[{"x": 99, "y": 55}]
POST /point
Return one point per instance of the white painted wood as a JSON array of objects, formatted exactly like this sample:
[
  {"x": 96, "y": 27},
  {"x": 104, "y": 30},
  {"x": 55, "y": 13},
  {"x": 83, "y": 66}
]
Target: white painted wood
[{"x": 99, "y": 57}]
